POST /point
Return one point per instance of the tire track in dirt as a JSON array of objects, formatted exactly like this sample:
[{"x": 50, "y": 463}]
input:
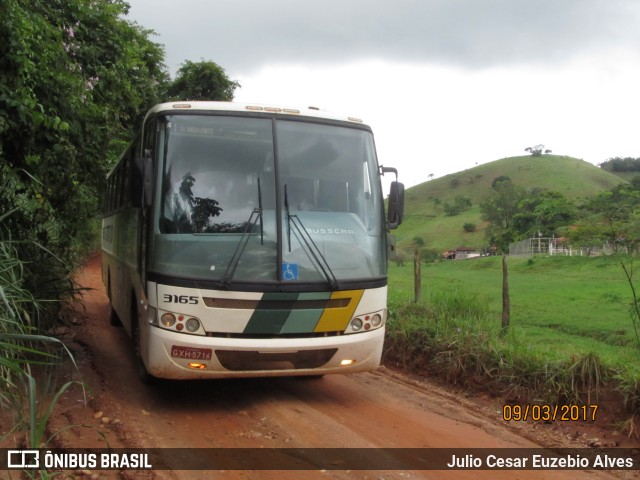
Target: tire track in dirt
[{"x": 381, "y": 409}]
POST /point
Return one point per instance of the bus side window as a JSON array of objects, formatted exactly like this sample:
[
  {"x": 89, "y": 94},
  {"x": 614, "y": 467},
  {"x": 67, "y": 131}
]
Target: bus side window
[{"x": 135, "y": 171}]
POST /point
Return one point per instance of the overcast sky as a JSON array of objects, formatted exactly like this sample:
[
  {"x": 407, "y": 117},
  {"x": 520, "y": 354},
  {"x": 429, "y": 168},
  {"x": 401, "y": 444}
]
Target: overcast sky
[{"x": 445, "y": 84}]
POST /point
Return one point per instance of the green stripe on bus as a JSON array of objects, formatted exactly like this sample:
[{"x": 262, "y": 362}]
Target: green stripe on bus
[
  {"x": 314, "y": 296},
  {"x": 266, "y": 320},
  {"x": 302, "y": 321},
  {"x": 277, "y": 313}
]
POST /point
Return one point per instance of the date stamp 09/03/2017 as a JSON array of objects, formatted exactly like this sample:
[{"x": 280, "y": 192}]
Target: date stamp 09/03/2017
[{"x": 549, "y": 413}]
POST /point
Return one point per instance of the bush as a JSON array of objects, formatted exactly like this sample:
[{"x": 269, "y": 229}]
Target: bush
[
  {"x": 38, "y": 241},
  {"x": 400, "y": 257},
  {"x": 461, "y": 203},
  {"x": 23, "y": 350},
  {"x": 453, "y": 336},
  {"x": 430, "y": 255}
]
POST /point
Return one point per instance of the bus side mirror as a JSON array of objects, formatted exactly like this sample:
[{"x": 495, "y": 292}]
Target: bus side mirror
[{"x": 395, "y": 210}]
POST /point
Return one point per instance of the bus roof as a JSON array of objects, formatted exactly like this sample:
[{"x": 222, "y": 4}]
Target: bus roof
[{"x": 311, "y": 112}]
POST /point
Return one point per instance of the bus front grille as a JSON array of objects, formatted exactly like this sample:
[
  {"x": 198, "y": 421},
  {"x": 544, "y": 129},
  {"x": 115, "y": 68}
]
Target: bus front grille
[
  {"x": 272, "y": 335},
  {"x": 237, "y": 360}
]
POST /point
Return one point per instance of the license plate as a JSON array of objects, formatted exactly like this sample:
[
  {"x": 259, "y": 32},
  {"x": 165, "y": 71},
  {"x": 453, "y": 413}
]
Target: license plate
[{"x": 190, "y": 353}]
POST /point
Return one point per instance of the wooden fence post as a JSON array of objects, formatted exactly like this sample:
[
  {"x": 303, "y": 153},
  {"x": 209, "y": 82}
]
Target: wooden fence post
[
  {"x": 506, "y": 310},
  {"x": 417, "y": 277}
]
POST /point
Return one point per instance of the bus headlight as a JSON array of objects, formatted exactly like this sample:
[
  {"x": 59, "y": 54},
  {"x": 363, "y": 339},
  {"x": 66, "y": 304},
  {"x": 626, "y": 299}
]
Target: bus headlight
[
  {"x": 356, "y": 324},
  {"x": 168, "y": 320},
  {"x": 192, "y": 325},
  {"x": 177, "y": 322},
  {"x": 367, "y": 322}
]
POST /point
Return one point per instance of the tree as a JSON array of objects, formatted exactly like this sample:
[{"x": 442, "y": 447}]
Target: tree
[
  {"x": 74, "y": 77},
  {"x": 619, "y": 164},
  {"x": 499, "y": 209},
  {"x": 418, "y": 241},
  {"x": 537, "y": 150},
  {"x": 203, "y": 80},
  {"x": 500, "y": 179},
  {"x": 620, "y": 224},
  {"x": 543, "y": 212},
  {"x": 587, "y": 233}
]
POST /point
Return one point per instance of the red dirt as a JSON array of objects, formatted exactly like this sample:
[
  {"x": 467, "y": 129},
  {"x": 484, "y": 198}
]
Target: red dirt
[{"x": 382, "y": 409}]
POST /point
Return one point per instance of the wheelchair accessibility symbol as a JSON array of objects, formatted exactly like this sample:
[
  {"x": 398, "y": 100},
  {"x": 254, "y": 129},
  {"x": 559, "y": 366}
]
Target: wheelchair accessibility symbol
[{"x": 289, "y": 271}]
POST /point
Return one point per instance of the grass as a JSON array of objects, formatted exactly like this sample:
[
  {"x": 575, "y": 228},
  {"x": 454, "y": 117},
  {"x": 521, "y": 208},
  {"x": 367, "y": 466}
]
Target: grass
[
  {"x": 424, "y": 203},
  {"x": 27, "y": 359},
  {"x": 571, "y": 332},
  {"x": 555, "y": 299}
]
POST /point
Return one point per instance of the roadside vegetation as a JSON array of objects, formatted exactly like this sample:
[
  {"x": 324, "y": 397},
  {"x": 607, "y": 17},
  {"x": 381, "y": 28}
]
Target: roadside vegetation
[
  {"x": 574, "y": 329},
  {"x": 29, "y": 359},
  {"x": 76, "y": 79},
  {"x": 572, "y": 337}
]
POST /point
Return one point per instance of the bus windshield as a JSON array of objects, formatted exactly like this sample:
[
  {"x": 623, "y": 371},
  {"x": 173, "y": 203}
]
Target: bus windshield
[{"x": 249, "y": 199}]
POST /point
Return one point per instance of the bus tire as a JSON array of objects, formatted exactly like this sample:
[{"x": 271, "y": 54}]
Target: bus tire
[
  {"x": 114, "y": 320},
  {"x": 143, "y": 375}
]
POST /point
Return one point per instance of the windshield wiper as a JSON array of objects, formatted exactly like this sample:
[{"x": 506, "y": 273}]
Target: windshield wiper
[
  {"x": 312, "y": 250},
  {"x": 256, "y": 215},
  {"x": 286, "y": 206},
  {"x": 260, "y": 208}
]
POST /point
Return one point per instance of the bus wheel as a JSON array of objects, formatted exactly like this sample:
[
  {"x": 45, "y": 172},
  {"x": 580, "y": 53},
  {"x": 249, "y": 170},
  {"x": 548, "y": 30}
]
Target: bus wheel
[
  {"x": 144, "y": 376},
  {"x": 114, "y": 320}
]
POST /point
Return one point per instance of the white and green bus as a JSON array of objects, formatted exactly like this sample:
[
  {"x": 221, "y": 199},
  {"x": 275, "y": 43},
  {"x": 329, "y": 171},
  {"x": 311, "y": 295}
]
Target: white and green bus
[{"x": 249, "y": 240}]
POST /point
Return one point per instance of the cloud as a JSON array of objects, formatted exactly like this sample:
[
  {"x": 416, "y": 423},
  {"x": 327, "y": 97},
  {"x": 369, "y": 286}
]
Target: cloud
[
  {"x": 445, "y": 84},
  {"x": 245, "y": 35}
]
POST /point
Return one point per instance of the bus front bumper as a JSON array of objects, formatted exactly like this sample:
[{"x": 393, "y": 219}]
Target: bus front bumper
[{"x": 180, "y": 356}]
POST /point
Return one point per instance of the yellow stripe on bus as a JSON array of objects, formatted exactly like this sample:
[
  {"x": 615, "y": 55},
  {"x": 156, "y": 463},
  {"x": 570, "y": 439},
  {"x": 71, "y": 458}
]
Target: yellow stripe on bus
[{"x": 337, "y": 319}]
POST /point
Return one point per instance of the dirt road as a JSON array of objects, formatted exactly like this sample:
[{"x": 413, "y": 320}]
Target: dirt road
[{"x": 383, "y": 409}]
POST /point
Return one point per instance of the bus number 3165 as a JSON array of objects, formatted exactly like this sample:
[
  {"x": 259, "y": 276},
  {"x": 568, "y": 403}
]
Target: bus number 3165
[{"x": 183, "y": 299}]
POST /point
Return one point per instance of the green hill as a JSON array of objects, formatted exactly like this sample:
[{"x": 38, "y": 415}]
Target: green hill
[
  {"x": 626, "y": 176},
  {"x": 425, "y": 203}
]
